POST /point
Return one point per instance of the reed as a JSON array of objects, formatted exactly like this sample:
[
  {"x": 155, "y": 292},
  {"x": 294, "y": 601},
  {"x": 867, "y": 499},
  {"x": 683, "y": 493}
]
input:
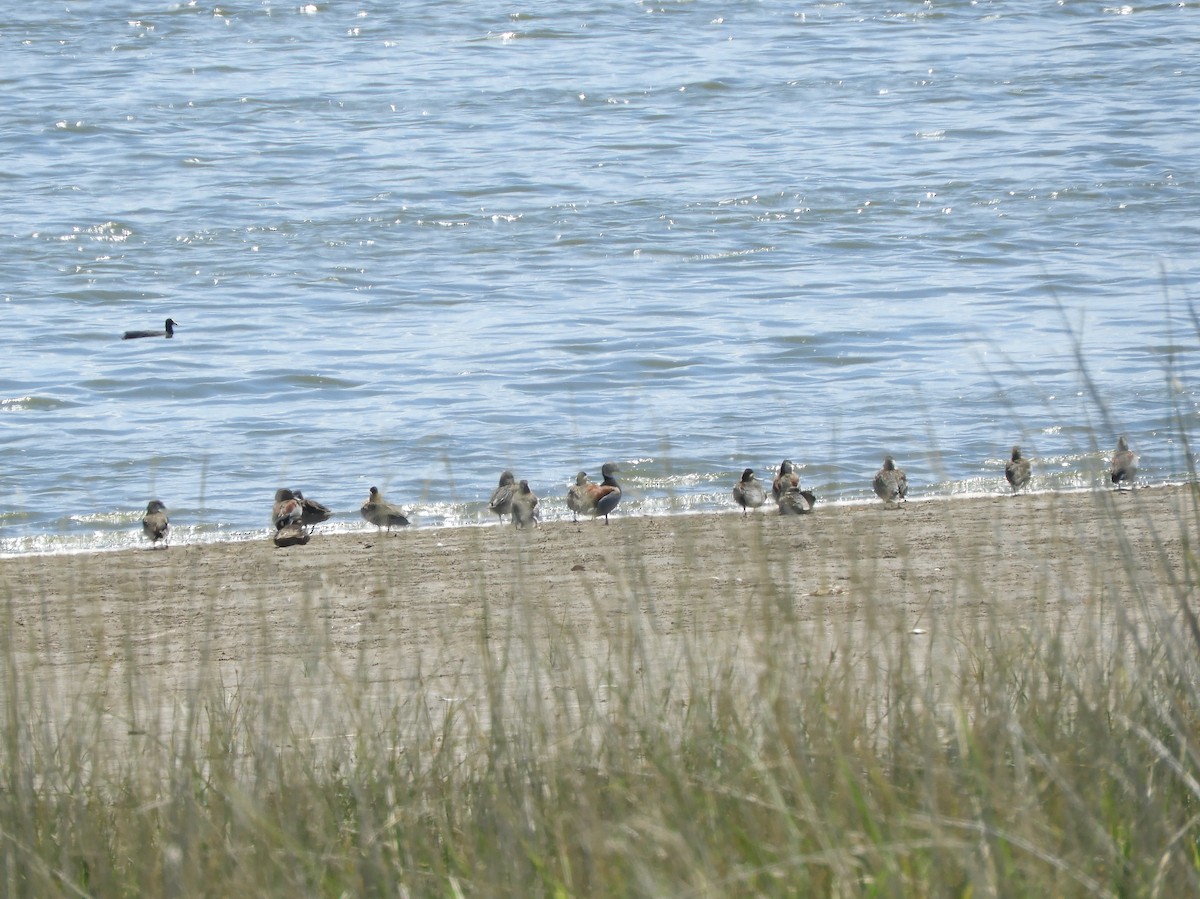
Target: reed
[{"x": 840, "y": 734}]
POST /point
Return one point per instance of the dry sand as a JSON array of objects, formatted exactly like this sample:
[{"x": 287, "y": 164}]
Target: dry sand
[{"x": 427, "y": 611}]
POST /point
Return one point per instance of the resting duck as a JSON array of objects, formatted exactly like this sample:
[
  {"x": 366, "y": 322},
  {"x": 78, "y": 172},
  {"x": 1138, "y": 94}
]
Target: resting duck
[
  {"x": 794, "y": 501},
  {"x": 287, "y": 510},
  {"x": 312, "y": 513},
  {"x": 787, "y": 477},
  {"x": 292, "y": 535}
]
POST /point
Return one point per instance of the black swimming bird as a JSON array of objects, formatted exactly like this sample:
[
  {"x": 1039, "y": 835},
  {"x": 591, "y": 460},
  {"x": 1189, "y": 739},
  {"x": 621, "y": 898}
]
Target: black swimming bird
[{"x": 169, "y": 331}]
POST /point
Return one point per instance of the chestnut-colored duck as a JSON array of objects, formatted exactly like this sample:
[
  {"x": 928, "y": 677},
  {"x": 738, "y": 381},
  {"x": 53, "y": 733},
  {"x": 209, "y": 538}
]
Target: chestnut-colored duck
[{"x": 603, "y": 497}]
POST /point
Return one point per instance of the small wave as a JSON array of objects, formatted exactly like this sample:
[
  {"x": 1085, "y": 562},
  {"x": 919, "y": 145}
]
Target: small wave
[
  {"x": 315, "y": 381},
  {"x": 62, "y": 544},
  {"x": 108, "y": 232},
  {"x": 32, "y": 404},
  {"x": 731, "y": 254}
]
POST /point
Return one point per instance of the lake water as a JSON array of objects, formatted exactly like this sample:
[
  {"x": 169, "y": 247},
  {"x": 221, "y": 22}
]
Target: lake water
[{"x": 411, "y": 245}]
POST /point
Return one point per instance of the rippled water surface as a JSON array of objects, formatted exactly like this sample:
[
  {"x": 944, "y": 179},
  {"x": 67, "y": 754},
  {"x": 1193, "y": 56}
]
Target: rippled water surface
[{"x": 411, "y": 245}]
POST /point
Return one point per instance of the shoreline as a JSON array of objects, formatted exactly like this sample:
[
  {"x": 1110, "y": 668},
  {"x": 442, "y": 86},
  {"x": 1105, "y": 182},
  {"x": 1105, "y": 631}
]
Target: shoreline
[
  {"x": 346, "y": 524},
  {"x": 417, "y": 611},
  {"x": 975, "y": 511}
]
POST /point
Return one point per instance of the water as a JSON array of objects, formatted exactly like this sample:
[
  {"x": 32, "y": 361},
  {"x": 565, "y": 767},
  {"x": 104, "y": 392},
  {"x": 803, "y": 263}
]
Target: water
[{"x": 414, "y": 244}]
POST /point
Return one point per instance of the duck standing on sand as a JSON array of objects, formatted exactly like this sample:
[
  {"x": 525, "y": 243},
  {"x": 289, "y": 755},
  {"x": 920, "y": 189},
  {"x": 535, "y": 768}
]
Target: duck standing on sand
[
  {"x": 1017, "y": 470},
  {"x": 577, "y": 496},
  {"x": 794, "y": 501},
  {"x": 291, "y": 535},
  {"x": 287, "y": 514},
  {"x": 1124, "y": 465},
  {"x": 891, "y": 484},
  {"x": 602, "y": 498},
  {"x": 381, "y": 513},
  {"x": 155, "y": 524},
  {"x": 312, "y": 513},
  {"x": 502, "y": 496},
  {"x": 748, "y": 492},
  {"x": 787, "y": 477},
  {"x": 287, "y": 510},
  {"x": 168, "y": 331},
  {"x": 524, "y": 506}
]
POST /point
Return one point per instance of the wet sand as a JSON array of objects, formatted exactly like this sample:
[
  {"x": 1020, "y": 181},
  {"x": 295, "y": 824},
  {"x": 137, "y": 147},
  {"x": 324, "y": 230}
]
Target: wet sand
[{"x": 429, "y": 610}]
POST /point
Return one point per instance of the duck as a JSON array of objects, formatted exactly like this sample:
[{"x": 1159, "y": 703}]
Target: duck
[
  {"x": 578, "y": 499},
  {"x": 787, "y": 477},
  {"x": 524, "y": 506},
  {"x": 381, "y": 513},
  {"x": 794, "y": 501},
  {"x": 287, "y": 510},
  {"x": 748, "y": 492},
  {"x": 891, "y": 483},
  {"x": 168, "y": 331},
  {"x": 293, "y": 534},
  {"x": 312, "y": 513},
  {"x": 155, "y": 524},
  {"x": 1017, "y": 470},
  {"x": 602, "y": 498},
  {"x": 1124, "y": 465},
  {"x": 502, "y": 496}
]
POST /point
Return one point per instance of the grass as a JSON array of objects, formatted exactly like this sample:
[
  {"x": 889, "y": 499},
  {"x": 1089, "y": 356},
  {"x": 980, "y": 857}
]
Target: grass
[{"x": 811, "y": 748}]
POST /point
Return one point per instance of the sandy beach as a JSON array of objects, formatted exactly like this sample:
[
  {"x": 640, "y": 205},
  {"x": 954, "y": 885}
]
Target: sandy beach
[{"x": 413, "y": 611}]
